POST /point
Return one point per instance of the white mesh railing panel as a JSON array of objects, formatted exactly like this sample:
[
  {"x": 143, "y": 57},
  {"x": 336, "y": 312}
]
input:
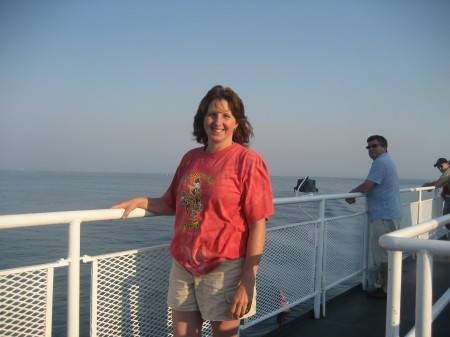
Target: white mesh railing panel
[
  {"x": 287, "y": 268},
  {"x": 414, "y": 208},
  {"x": 25, "y": 303},
  {"x": 131, "y": 295},
  {"x": 344, "y": 248},
  {"x": 418, "y": 212},
  {"x": 426, "y": 212},
  {"x": 409, "y": 214}
]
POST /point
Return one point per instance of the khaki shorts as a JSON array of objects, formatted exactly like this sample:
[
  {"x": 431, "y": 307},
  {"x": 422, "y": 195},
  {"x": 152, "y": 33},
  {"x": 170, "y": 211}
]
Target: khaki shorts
[
  {"x": 210, "y": 294},
  {"x": 379, "y": 228}
]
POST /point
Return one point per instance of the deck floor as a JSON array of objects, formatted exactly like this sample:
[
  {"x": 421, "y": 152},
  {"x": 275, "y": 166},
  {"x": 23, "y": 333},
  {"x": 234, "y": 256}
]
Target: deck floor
[{"x": 354, "y": 314}]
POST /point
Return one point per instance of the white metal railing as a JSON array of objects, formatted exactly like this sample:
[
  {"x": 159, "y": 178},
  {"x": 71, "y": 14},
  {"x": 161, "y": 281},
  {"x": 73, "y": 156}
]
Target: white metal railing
[
  {"x": 321, "y": 226},
  {"x": 321, "y": 222},
  {"x": 26, "y": 283},
  {"x": 74, "y": 219},
  {"x": 406, "y": 240}
]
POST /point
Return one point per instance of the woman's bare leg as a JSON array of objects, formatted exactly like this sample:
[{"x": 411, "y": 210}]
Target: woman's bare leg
[
  {"x": 187, "y": 323},
  {"x": 225, "y": 328}
]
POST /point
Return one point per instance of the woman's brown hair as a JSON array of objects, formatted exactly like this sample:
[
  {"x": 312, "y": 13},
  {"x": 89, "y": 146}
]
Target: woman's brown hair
[{"x": 244, "y": 130}]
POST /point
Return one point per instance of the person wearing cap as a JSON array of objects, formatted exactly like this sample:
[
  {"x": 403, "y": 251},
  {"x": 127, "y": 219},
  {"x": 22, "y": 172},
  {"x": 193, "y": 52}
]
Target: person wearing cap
[
  {"x": 443, "y": 165},
  {"x": 384, "y": 206}
]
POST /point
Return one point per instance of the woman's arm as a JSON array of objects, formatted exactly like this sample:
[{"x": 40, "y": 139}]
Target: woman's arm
[
  {"x": 157, "y": 206},
  {"x": 244, "y": 294}
]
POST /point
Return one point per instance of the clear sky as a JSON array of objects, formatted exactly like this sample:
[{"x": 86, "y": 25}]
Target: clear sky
[{"x": 114, "y": 85}]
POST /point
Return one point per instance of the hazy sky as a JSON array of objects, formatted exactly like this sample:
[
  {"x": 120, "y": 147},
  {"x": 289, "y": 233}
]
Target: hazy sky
[{"x": 114, "y": 85}]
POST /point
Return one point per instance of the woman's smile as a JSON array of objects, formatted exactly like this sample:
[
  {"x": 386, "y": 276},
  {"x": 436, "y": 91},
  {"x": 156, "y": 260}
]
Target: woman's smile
[{"x": 219, "y": 124}]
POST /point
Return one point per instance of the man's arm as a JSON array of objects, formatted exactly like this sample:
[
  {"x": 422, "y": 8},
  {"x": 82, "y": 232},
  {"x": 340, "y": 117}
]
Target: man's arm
[
  {"x": 365, "y": 187},
  {"x": 437, "y": 183}
]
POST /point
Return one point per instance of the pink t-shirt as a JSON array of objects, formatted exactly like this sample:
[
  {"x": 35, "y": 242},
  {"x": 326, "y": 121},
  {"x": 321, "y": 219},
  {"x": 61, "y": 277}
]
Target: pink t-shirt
[{"x": 217, "y": 197}]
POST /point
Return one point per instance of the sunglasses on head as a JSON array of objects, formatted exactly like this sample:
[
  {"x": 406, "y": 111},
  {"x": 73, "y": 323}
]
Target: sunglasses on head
[{"x": 371, "y": 146}]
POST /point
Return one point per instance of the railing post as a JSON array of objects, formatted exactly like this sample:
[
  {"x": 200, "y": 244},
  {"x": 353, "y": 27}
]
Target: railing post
[
  {"x": 73, "y": 296},
  {"x": 419, "y": 208},
  {"x": 394, "y": 293},
  {"x": 424, "y": 293},
  {"x": 367, "y": 256},
  {"x": 366, "y": 247},
  {"x": 319, "y": 259},
  {"x": 437, "y": 203}
]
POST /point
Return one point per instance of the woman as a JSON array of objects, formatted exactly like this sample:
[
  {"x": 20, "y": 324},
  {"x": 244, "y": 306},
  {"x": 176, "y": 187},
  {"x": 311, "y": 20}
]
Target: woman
[{"x": 221, "y": 197}]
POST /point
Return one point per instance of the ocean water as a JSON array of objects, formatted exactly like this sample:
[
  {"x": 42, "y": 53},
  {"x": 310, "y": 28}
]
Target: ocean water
[{"x": 36, "y": 192}]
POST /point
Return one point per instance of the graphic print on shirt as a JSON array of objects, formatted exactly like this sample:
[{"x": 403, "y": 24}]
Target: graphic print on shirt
[{"x": 192, "y": 199}]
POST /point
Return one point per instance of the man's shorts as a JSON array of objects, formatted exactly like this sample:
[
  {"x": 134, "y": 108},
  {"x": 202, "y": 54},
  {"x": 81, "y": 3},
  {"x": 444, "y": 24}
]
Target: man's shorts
[
  {"x": 211, "y": 294},
  {"x": 379, "y": 228}
]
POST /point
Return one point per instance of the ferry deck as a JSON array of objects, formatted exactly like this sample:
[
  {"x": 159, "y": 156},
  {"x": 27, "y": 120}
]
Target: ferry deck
[{"x": 353, "y": 314}]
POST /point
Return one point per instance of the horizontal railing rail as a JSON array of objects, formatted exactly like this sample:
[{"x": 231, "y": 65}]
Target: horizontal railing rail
[
  {"x": 52, "y": 218},
  {"x": 324, "y": 275},
  {"x": 406, "y": 240}
]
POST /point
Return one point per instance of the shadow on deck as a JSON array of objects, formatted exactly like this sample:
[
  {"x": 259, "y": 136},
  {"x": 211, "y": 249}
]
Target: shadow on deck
[{"x": 354, "y": 314}]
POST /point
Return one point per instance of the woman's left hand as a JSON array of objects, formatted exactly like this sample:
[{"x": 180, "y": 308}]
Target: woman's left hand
[
  {"x": 242, "y": 300},
  {"x": 243, "y": 297}
]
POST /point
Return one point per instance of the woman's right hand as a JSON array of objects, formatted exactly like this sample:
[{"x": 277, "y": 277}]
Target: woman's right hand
[{"x": 130, "y": 205}]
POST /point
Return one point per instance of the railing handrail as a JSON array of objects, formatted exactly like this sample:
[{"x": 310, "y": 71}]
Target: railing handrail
[
  {"x": 403, "y": 241},
  {"x": 54, "y": 218},
  {"x": 65, "y": 217}
]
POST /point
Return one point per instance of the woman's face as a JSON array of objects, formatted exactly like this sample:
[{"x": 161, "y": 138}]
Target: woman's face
[{"x": 219, "y": 124}]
